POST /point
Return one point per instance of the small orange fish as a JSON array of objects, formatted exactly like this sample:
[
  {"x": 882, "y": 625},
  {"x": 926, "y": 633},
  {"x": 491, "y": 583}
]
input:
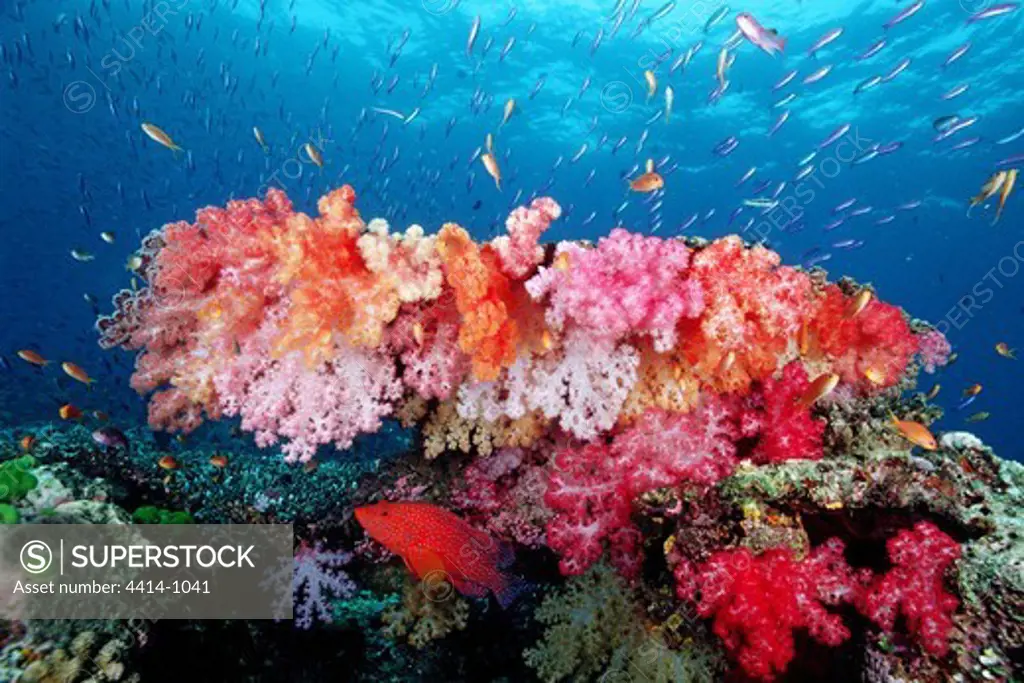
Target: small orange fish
[
  {"x": 1003, "y": 349},
  {"x": 439, "y": 546},
  {"x": 310, "y": 466},
  {"x": 804, "y": 340},
  {"x": 652, "y": 83},
  {"x": 916, "y": 433},
  {"x": 100, "y": 416},
  {"x": 77, "y": 373},
  {"x": 219, "y": 461},
  {"x": 875, "y": 376},
  {"x": 972, "y": 390},
  {"x": 727, "y": 362},
  {"x": 562, "y": 261},
  {"x": 167, "y": 462},
  {"x": 70, "y": 412},
  {"x": 491, "y": 164},
  {"x": 32, "y": 357},
  {"x": 820, "y": 388},
  {"x": 859, "y": 302},
  {"x": 417, "y": 333},
  {"x": 27, "y": 442},
  {"x": 547, "y": 341},
  {"x": 648, "y": 182}
]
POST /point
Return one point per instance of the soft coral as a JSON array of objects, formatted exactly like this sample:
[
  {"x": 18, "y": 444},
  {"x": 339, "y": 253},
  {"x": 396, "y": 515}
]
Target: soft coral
[
  {"x": 758, "y": 601},
  {"x": 786, "y": 428},
  {"x": 592, "y": 488},
  {"x": 913, "y": 587},
  {"x": 877, "y": 341}
]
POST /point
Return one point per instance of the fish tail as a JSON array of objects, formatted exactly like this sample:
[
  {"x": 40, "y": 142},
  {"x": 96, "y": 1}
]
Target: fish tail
[{"x": 512, "y": 590}]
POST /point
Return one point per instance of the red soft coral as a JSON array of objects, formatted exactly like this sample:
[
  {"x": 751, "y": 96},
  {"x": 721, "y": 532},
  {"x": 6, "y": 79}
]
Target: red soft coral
[
  {"x": 592, "y": 506},
  {"x": 667, "y": 449},
  {"x": 786, "y": 428},
  {"x": 758, "y": 601},
  {"x": 592, "y": 488},
  {"x": 914, "y": 587},
  {"x": 877, "y": 342}
]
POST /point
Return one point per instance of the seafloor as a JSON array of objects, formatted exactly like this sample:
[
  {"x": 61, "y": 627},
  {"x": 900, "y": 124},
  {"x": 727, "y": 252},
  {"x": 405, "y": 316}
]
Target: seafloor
[{"x": 593, "y": 627}]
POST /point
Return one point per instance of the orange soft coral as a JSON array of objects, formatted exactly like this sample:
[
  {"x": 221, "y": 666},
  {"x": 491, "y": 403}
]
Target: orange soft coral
[
  {"x": 485, "y": 300},
  {"x": 877, "y": 342},
  {"x": 753, "y": 314},
  {"x": 335, "y": 298}
]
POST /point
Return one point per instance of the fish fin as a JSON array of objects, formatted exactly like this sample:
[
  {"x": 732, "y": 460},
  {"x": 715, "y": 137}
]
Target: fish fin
[
  {"x": 469, "y": 588},
  {"x": 782, "y": 44},
  {"x": 506, "y": 555},
  {"x": 422, "y": 561},
  {"x": 511, "y": 590}
]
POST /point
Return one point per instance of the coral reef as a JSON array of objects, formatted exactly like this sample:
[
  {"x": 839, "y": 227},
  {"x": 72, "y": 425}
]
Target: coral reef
[
  {"x": 699, "y": 437},
  {"x": 593, "y": 629},
  {"x": 426, "y": 613}
]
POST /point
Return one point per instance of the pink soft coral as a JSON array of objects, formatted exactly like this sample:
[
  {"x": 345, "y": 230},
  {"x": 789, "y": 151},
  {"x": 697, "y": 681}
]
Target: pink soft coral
[
  {"x": 786, "y": 428},
  {"x": 934, "y": 349},
  {"x": 592, "y": 506},
  {"x": 285, "y": 398},
  {"x": 593, "y": 488},
  {"x": 426, "y": 339},
  {"x": 914, "y": 587},
  {"x": 519, "y": 250},
  {"x": 504, "y": 494},
  {"x": 628, "y": 284},
  {"x": 667, "y": 449},
  {"x": 758, "y": 601}
]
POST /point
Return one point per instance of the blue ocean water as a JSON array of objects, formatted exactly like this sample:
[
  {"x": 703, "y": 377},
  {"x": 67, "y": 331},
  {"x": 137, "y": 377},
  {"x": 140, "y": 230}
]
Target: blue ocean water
[{"x": 400, "y": 107}]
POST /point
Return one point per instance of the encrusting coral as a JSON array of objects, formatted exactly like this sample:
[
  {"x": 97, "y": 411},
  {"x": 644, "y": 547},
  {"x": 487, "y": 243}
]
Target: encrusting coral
[{"x": 606, "y": 398}]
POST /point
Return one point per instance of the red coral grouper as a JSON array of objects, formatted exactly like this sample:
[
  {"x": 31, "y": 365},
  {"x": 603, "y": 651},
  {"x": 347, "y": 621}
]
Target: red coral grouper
[{"x": 432, "y": 540}]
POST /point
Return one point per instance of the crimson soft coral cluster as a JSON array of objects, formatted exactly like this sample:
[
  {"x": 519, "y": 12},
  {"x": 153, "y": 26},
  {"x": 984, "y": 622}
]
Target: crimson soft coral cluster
[{"x": 756, "y": 602}]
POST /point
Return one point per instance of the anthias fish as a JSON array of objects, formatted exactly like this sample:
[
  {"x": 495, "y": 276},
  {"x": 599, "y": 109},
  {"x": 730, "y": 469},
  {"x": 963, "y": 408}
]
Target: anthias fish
[{"x": 434, "y": 543}]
